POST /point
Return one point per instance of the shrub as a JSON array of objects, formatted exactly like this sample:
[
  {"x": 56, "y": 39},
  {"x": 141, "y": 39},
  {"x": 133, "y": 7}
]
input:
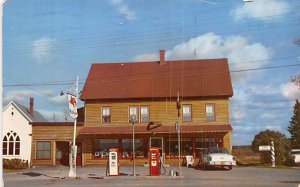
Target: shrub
[
  {"x": 15, "y": 164},
  {"x": 281, "y": 144}
]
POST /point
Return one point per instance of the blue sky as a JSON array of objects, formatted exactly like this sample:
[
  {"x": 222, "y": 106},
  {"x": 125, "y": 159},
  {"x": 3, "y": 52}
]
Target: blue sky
[{"x": 54, "y": 41}]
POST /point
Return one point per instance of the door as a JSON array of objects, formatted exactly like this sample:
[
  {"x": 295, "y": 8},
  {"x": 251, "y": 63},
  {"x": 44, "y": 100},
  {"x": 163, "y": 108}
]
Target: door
[
  {"x": 62, "y": 153},
  {"x": 157, "y": 142},
  {"x": 79, "y": 154}
]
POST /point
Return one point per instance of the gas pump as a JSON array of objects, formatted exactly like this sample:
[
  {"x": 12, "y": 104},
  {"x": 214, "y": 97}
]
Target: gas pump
[
  {"x": 154, "y": 161},
  {"x": 113, "y": 162}
]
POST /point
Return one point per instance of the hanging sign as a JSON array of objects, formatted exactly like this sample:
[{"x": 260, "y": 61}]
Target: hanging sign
[{"x": 72, "y": 106}]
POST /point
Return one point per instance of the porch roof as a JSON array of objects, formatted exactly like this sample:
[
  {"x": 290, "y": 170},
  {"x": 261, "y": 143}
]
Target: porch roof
[{"x": 157, "y": 129}]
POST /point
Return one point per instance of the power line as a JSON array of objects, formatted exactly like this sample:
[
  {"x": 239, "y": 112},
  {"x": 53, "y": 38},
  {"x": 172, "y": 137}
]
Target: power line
[{"x": 145, "y": 78}]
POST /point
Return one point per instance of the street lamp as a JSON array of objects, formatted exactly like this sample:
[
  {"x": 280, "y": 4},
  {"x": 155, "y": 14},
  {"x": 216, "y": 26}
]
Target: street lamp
[{"x": 133, "y": 120}]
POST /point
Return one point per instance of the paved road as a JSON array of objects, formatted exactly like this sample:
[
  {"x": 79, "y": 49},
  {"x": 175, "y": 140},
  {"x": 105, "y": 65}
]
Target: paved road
[{"x": 95, "y": 176}]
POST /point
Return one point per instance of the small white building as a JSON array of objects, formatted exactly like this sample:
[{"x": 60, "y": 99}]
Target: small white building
[{"x": 17, "y": 130}]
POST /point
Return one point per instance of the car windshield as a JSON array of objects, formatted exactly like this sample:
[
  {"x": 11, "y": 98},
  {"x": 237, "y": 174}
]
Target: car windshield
[{"x": 217, "y": 150}]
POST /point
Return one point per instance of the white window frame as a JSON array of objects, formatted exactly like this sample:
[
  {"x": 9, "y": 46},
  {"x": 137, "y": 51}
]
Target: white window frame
[
  {"x": 104, "y": 114},
  {"x": 210, "y": 112},
  {"x": 189, "y": 114},
  {"x": 14, "y": 142},
  {"x": 136, "y": 112},
  {"x": 147, "y": 108}
]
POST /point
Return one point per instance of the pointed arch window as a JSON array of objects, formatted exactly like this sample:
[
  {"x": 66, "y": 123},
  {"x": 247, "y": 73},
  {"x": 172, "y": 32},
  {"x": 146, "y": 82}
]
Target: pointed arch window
[{"x": 11, "y": 144}]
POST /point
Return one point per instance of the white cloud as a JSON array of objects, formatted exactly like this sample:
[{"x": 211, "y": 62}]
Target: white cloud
[
  {"x": 53, "y": 115},
  {"x": 271, "y": 115},
  {"x": 58, "y": 100},
  {"x": 146, "y": 57},
  {"x": 265, "y": 10},
  {"x": 42, "y": 49},
  {"x": 123, "y": 9},
  {"x": 290, "y": 91},
  {"x": 240, "y": 52},
  {"x": 22, "y": 96},
  {"x": 19, "y": 96},
  {"x": 237, "y": 115}
]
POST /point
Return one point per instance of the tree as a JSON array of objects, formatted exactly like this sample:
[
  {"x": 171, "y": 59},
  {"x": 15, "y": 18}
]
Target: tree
[
  {"x": 294, "y": 127},
  {"x": 281, "y": 144}
]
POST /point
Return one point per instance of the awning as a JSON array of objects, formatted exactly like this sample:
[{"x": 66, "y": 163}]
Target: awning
[{"x": 157, "y": 129}]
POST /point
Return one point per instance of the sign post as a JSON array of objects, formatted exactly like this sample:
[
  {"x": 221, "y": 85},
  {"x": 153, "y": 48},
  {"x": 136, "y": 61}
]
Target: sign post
[
  {"x": 272, "y": 154},
  {"x": 271, "y": 149},
  {"x": 72, "y": 100}
]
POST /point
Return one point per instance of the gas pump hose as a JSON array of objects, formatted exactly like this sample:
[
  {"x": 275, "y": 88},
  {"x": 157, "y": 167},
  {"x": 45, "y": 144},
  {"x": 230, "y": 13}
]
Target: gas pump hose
[{"x": 162, "y": 166}]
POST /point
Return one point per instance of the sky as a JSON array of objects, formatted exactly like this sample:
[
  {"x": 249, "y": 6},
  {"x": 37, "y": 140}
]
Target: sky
[{"x": 47, "y": 44}]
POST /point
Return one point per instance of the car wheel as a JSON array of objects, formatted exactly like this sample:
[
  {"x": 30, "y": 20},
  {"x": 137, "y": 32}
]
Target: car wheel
[{"x": 230, "y": 167}]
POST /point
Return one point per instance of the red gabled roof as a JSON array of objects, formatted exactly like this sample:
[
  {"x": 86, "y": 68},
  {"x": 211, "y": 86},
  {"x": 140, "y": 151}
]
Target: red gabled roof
[{"x": 191, "y": 78}]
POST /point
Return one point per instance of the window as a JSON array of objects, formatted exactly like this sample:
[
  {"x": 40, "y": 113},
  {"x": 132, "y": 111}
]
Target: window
[
  {"x": 210, "y": 112},
  {"x": 101, "y": 147},
  {"x": 144, "y": 114},
  {"x": 202, "y": 143},
  {"x": 133, "y": 111},
  {"x": 140, "y": 148},
  {"x": 186, "y": 112},
  {"x": 172, "y": 147},
  {"x": 11, "y": 144},
  {"x": 43, "y": 150},
  {"x": 106, "y": 114}
]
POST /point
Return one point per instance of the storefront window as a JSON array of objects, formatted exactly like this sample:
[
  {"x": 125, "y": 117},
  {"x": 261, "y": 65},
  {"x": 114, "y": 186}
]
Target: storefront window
[
  {"x": 172, "y": 147},
  {"x": 43, "y": 150},
  {"x": 140, "y": 148},
  {"x": 101, "y": 147},
  {"x": 202, "y": 143}
]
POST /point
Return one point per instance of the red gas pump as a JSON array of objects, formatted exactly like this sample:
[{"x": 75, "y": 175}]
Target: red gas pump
[{"x": 154, "y": 164}]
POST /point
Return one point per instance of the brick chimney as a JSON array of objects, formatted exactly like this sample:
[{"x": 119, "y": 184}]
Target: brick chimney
[
  {"x": 162, "y": 57},
  {"x": 31, "y": 102}
]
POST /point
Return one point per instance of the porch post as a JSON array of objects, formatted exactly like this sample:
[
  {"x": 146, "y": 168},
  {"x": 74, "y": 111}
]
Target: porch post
[{"x": 54, "y": 153}]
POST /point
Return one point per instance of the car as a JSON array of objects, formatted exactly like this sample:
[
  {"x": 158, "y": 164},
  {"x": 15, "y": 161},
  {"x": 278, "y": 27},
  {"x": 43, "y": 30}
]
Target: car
[
  {"x": 295, "y": 156},
  {"x": 217, "y": 157}
]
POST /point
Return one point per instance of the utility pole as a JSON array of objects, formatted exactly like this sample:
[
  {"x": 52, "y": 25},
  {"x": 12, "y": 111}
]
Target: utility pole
[
  {"x": 1, "y": 93},
  {"x": 178, "y": 104}
]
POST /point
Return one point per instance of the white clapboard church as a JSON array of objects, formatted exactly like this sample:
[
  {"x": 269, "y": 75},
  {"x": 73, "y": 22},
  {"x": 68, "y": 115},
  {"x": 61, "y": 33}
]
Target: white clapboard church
[{"x": 17, "y": 130}]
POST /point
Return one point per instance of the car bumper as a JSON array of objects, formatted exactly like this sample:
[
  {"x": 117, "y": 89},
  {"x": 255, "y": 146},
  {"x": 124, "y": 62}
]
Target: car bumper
[{"x": 221, "y": 163}]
